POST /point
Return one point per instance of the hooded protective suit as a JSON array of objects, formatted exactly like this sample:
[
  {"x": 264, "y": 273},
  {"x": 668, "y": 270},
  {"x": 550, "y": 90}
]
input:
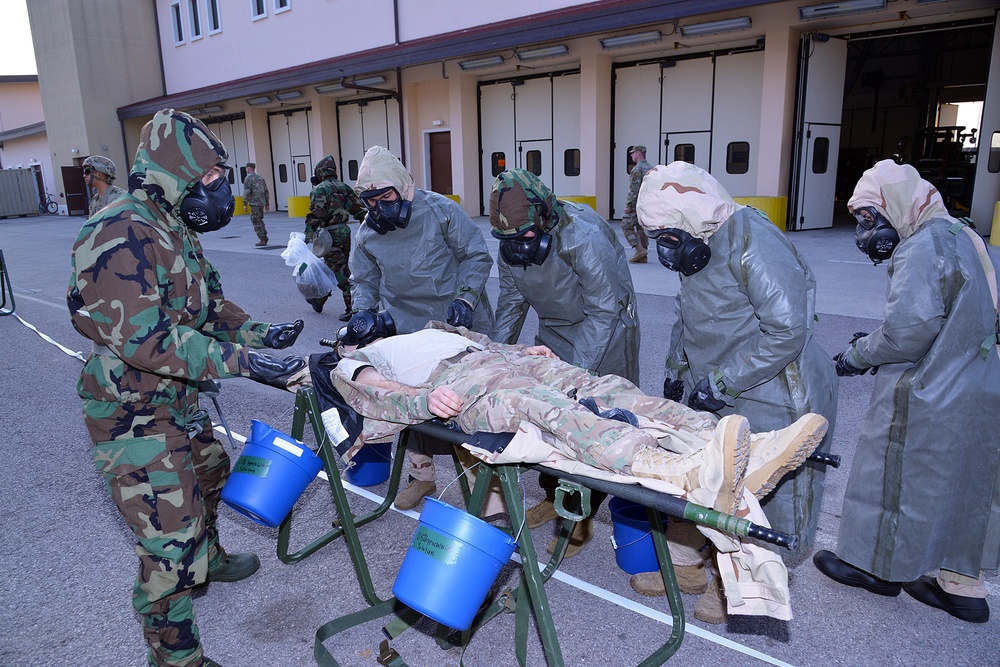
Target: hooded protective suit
[
  {"x": 746, "y": 318},
  {"x": 143, "y": 292},
  {"x": 924, "y": 490},
  {"x": 582, "y": 292},
  {"x": 416, "y": 271}
]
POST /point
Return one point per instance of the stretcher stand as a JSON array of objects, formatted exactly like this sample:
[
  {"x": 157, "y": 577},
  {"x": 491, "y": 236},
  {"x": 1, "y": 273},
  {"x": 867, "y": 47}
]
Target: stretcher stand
[{"x": 529, "y": 597}]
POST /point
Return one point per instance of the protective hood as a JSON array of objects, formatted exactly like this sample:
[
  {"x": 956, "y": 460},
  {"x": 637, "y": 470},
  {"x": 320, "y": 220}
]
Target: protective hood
[
  {"x": 897, "y": 192},
  {"x": 175, "y": 150},
  {"x": 381, "y": 169},
  {"x": 519, "y": 200},
  {"x": 683, "y": 196}
]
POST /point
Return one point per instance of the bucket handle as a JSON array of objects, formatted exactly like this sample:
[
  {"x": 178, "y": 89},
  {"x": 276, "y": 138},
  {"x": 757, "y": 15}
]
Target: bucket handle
[
  {"x": 524, "y": 498},
  {"x": 616, "y": 546}
]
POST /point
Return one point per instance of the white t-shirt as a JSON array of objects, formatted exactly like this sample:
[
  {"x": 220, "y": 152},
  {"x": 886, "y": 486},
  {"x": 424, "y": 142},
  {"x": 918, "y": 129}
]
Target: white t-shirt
[{"x": 409, "y": 358}]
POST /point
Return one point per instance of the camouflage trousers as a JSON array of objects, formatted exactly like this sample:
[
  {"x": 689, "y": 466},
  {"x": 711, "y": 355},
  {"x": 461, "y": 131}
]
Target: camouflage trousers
[
  {"x": 166, "y": 486},
  {"x": 634, "y": 233},
  {"x": 257, "y": 219},
  {"x": 337, "y": 258},
  {"x": 500, "y": 389}
]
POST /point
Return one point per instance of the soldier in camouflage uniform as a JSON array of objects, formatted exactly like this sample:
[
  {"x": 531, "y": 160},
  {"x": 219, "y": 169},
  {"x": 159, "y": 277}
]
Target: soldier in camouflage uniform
[
  {"x": 143, "y": 292},
  {"x": 634, "y": 234},
  {"x": 256, "y": 196},
  {"x": 100, "y": 174},
  {"x": 332, "y": 203}
]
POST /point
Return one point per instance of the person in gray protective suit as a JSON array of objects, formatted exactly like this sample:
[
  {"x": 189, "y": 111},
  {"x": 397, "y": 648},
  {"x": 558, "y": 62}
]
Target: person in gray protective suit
[
  {"x": 924, "y": 490},
  {"x": 563, "y": 260},
  {"x": 742, "y": 342},
  {"x": 420, "y": 256}
]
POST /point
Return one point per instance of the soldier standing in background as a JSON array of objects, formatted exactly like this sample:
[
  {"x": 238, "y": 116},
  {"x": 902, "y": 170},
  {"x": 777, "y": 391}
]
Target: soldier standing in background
[
  {"x": 258, "y": 199},
  {"x": 634, "y": 234},
  {"x": 332, "y": 203},
  {"x": 99, "y": 173}
]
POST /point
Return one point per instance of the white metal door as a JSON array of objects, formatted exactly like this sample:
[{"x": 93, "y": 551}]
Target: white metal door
[
  {"x": 233, "y": 135},
  {"x": 536, "y": 157},
  {"x": 290, "y": 154},
  {"x": 302, "y": 175},
  {"x": 637, "y": 122},
  {"x": 986, "y": 191},
  {"x": 496, "y": 114},
  {"x": 363, "y": 124},
  {"x": 739, "y": 80},
  {"x": 820, "y": 105},
  {"x": 693, "y": 147},
  {"x": 566, "y": 135}
]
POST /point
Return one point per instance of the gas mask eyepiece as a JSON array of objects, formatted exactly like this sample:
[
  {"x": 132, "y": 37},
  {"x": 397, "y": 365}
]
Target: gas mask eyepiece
[
  {"x": 207, "y": 208},
  {"x": 524, "y": 250},
  {"x": 384, "y": 215},
  {"x": 680, "y": 251},
  {"x": 875, "y": 235}
]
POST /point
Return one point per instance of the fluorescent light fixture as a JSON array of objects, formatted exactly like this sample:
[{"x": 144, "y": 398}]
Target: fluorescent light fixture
[
  {"x": 840, "y": 9},
  {"x": 544, "y": 52},
  {"x": 327, "y": 88},
  {"x": 715, "y": 27},
  {"x": 370, "y": 81},
  {"x": 631, "y": 40},
  {"x": 257, "y": 101},
  {"x": 289, "y": 95},
  {"x": 212, "y": 109},
  {"x": 481, "y": 63}
]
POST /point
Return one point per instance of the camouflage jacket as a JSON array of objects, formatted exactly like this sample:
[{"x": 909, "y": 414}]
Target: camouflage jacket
[
  {"x": 255, "y": 191},
  {"x": 332, "y": 202},
  {"x": 112, "y": 193},
  {"x": 634, "y": 182},
  {"x": 141, "y": 286}
]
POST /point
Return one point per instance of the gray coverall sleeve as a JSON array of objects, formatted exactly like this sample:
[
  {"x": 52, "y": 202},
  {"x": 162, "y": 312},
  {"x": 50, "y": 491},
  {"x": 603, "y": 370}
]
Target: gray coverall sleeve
[
  {"x": 474, "y": 261},
  {"x": 512, "y": 308},
  {"x": 365, "y": 279},
  {"x": 602, "y": 312},
  {"x": 775, "y": 284},
  {"x": 676, "y": 361},
  {"x": 915, "y": 307}
]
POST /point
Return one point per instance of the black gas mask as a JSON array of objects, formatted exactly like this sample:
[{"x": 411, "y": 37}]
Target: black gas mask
[
  {"x": 522, "y": 250},
  {"x": 875, "y": 235},
  {"x": 680, "y": 251},
  {"x": 365, "y": 327},
  {"x": 385, "y": 216},
  {"x": 207, "y": 208},
  {"x": 314, "y": 180}
]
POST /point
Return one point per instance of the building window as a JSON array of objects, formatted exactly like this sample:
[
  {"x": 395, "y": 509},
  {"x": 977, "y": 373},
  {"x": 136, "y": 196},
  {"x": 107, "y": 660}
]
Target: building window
[
  {"x": 178, "y": 21},
  {"x": 301, "y": 169},
  {"x": 352, "y": 169},
  {"x": 993, "y": 165},
  {"x": 571, "y": 162},
  {"x": 738, "y": 157},
  {"x": 684, "y": 153},
  {"x": 194, "y": 16},
  {"x": 282, "y": 6},
  {"x": 283, "y": 173},
  {"x": 258, "y": 9},
  {"x": 821, "y": 155},
  {"x": 533, "y": 162},
  {"x": 214, "y": 19},
  {"x": 498, "y": 162}
]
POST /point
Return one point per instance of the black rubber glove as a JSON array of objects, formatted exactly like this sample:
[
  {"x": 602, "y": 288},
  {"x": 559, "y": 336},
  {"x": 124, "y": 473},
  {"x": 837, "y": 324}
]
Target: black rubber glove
[
  {"x": 846, "y": 364},
  {"x": 706, "y": 397},
  {"x": 673, "y": 390},
  {"x": 280, "y": 336},
  {"x": 459, "y": 314},
  {"x": 271, "y": 370}
]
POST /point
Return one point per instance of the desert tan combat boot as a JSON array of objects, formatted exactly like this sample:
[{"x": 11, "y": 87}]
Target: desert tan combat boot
[
  {"x": 773, "y": 454},
  {"x": 541, "y": 514},
  {"x": 691, "y": 579},
  {"x": 711, "y": 606},
  {"x": 639, "y": 257}
]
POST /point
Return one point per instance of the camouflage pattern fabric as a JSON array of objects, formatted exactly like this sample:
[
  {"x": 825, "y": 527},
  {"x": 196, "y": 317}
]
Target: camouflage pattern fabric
[
  {"x": 899, "y": 193},
  {"x": 332, "y": 204},
  {"x": 111, "y": 194},
  {"x": 683, "y": 196},
  {"x": 257, "y": 198},
  {"x": 141, "y": 287},
  {"x": 634, "y": 234},
  {"x": 519, "y": 199}
]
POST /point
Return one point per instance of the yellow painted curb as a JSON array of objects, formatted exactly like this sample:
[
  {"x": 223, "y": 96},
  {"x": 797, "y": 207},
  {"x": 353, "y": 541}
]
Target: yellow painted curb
[
  {"x": 582, "y": 199},
  {"x": 775, "y": 208},
  {"x": 298, "y": 207}
]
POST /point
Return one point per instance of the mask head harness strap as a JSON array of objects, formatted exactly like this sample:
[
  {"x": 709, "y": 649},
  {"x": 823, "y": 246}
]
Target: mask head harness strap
[
  {"x": 366, "y": 327},
  {"x": 875, "y": 235},
  {"x": 207, "y": 208},
  {"x": 385, "y": 216},
  {"x": 680, "y": 251}
]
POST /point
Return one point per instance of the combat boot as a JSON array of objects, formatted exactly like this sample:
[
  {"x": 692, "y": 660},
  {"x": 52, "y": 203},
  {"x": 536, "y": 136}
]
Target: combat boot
[
  {"x": 541, "y": 514},
  {"x": 691, "y": 579},
  {"x": 414, "y": 492},
  {"x": 234, "y": 567},
  {"x": 775, "y": 453},
  {"x": 583, "y": 532},
  {"x": 711, "y": 606},
  {"x": 639, "y": 257}
]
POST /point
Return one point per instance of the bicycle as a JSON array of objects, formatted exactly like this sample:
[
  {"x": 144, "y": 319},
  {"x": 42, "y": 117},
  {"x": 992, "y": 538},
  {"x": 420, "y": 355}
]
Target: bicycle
[{"x": 48, "y": 206}]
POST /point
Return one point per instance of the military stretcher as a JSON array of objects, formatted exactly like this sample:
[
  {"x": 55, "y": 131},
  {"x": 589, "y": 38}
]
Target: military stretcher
[{"x": 528, "y": 598}]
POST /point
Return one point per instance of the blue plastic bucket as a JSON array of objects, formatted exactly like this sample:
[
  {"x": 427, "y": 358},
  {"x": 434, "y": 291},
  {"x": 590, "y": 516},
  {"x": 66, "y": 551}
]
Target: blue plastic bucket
[
  {"x": 370, "y": 466},
  {"x": 451, "y": 564},
  {"x": 632, "y": 537},
  {"x": 272, "y": 472}
]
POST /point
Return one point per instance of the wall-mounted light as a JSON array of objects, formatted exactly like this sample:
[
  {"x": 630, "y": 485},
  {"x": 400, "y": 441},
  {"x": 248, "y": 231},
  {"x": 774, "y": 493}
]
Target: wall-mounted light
[
  {"x": 839, "y": 9},
  {"x": 631, "y": 40},
  {"x": 328, "y": 88},
  {"x": 437, "y": 123},
  {"x": 370, "y": 81},
  {"x": 212, "y": 109},
  {"x": 289, "y": 95},
  {"x": 715, "y": 27},
  {"x": 544, "y": 52},
  {"x": 258, "y": 101},
  {"x": 481, "y": 63}
]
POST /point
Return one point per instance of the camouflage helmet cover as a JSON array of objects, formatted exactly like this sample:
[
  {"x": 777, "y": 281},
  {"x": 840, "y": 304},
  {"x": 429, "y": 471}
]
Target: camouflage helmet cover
[
  {"x": 899, "y": 193},
  {"x": 519, "y": 200},
  {"x": 103, "y": 165},
  {"x": 325, "y": 168}
]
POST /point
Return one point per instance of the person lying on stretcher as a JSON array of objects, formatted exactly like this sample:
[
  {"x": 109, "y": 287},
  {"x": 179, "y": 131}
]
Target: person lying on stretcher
[{"x": 605, "y": 422}]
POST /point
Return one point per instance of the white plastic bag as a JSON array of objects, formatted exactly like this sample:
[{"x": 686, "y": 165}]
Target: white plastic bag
[{"x": 314, "y": 279}]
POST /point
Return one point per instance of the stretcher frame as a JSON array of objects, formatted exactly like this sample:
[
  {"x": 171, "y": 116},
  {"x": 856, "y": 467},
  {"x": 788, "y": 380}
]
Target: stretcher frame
[{"x": 529, "y": 597}]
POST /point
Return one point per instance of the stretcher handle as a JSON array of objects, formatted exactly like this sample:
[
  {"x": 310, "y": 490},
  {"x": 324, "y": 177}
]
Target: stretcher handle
[
  {"x": 772, "y": 536},
  {"x": 832, "y": 460}
]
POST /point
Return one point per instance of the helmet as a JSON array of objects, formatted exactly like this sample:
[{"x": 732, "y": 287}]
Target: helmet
[
  {"x": 366, "y": 327},
  {"x": 101, "y": 164},
  {"x": 325, "y": 168}
]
